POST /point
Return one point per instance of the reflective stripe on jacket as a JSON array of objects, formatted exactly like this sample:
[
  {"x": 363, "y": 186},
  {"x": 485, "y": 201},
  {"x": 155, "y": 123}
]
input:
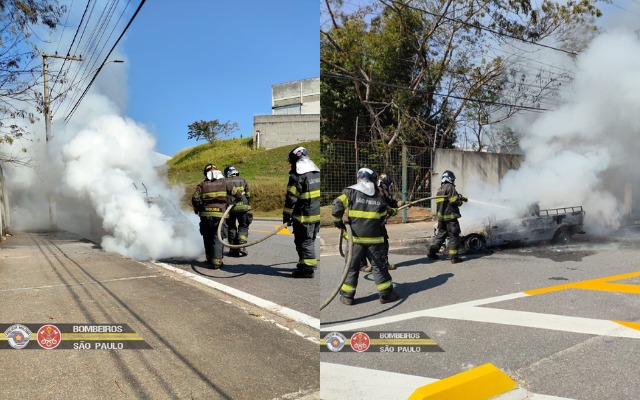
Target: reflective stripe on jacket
[
  {"x": 448, "y": 207},
  {"x": 210, "y": 198},
  {"x": 366, "y": 215},
  {"x": 302, "y": 200},
  {"x": 238, "y": 189}
]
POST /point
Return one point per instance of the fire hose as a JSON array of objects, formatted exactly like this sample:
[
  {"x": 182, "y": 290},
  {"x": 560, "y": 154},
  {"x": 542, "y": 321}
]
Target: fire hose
[
  {"x": 347, "y": 262},
  {"x": 239, "y": 246}
]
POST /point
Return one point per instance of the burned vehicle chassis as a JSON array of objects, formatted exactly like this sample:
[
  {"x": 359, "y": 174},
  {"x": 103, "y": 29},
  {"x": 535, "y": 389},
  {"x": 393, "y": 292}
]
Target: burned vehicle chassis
[{"x": 557, "y": 225}]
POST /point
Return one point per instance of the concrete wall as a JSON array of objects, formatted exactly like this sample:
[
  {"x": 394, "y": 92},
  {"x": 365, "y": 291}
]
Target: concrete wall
[
  {"x": 283, "y": 130},
  {"x": 467, "y": 165},
  {"x": 301, "y": 97}
]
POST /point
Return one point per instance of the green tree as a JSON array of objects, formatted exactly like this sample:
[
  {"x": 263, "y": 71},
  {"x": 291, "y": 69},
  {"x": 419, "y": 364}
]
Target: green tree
[
  {"x": 211, "y": 130},
  {"x": 423, "y": 71},
  {"x": 19, "y": 95}
]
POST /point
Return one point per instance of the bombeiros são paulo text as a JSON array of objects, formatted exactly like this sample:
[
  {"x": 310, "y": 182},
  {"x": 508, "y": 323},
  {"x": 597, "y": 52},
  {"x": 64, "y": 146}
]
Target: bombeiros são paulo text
[
  {"x": 97, "y": 329},
  {"x": 399, "y": 335}
]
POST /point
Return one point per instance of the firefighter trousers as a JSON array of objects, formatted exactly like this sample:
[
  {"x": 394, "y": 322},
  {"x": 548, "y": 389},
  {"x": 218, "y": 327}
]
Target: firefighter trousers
[
  {"x": 446, "y": 229},
  {"x": 381, "y": 276},
  {"x": 238, "y": 225},
  {"x": 212, "y": 246},
  {"x": 304, "y": 236}
]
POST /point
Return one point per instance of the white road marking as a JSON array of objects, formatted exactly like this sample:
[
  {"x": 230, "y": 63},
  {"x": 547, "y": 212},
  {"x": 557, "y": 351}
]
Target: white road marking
[
  {"x": 266, "y": 304},
  {"x": 338, "y": 382},
  {"x": 80, "y": 284},
  {"x": 470, "y": 311},
  {"x": 341, "y": 382}
]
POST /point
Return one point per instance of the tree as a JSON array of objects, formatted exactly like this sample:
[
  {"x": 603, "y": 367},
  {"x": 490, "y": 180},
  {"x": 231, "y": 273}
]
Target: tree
[
  {"x": 19, "y": 97},
  {"x": 420, "y": 66},
  {"x": 211, "y": 130}
]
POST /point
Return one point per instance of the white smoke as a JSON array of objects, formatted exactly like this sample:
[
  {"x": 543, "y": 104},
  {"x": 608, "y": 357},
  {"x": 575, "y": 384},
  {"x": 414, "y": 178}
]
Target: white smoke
[
  {"x": 107, "y": 178},
  {"x": 584, "y": 152}
]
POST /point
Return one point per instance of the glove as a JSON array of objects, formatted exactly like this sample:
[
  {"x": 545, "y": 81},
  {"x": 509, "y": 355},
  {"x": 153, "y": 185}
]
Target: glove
[
  {"x": 195, "y": 211},
  {"x": 464, "y": 198},
  {"x": 286, "y": 219},
  {"x": 340, "y": 224}
]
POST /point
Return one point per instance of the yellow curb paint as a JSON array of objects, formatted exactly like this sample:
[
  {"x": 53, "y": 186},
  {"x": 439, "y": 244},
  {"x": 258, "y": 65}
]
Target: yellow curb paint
[
  {"x": 602, "y": 284},
  {"x": 283, "y": 231},
  {"x": 480, "y": 383},
  {"x": 632, "y": 325}
]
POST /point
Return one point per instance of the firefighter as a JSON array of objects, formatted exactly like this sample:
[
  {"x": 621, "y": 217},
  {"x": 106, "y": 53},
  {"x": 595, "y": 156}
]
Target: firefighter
[
  {"x": 240, "y": 216},
  {"x": 210, "y": 202},
  {"x": 367, "y": 211},
  {"x": 385, "y": 187},
  {"x": 302, "y": 209},
  {"x": 448, "y": 214}
]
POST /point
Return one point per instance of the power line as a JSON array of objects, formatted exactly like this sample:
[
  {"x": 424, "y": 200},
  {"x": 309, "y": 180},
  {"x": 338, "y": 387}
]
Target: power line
[
  {"x": 75, "y": 107},
  {"x": 482, "y": 27},
  {"x": 362, "y": 80}
]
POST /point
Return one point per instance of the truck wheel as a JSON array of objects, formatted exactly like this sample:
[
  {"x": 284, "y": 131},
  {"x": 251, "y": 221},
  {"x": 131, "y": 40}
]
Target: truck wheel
[
  {"x": 475, "y": 242},
  {"x": 562, "y": 236}
]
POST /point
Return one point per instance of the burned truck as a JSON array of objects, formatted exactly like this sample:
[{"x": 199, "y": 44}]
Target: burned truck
[{"x": 556, "y": 225}]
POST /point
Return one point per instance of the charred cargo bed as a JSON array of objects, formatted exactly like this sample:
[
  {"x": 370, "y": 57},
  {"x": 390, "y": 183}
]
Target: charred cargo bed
[{"x": 555, "y": 224}]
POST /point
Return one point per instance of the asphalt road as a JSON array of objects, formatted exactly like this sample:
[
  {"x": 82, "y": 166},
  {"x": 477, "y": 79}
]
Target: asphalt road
[
  {"x": 558, "y": 340},
  {"x": 265, "y": 272},
  {"x": 204, "y": 343}
]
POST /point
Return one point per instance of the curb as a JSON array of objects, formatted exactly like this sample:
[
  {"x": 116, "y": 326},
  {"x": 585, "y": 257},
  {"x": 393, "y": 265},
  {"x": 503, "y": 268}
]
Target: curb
[{"x": 480, "y": 383}]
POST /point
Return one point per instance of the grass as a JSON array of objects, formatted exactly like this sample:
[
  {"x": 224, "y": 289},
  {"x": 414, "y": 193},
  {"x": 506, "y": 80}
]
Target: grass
[{"x": 266, "y": 171}]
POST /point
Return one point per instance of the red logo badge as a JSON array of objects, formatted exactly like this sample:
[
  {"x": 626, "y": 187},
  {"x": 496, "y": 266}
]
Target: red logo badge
[
  {"x": 49, "y": 337},
  {"x": 360, "y": 342}
]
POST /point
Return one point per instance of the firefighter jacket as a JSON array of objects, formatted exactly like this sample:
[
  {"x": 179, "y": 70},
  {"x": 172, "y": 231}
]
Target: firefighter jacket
[
  {"x": 238, "y": 190},
  {"x": 302, "y": 201},
  {"x": 448, "y": 207},
  {"x": 366, "y": 215},
  {"x": 210, "y": 198}
]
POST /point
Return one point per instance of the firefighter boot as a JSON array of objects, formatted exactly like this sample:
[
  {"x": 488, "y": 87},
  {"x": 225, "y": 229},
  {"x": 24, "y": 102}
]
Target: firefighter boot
[
  {"x": 234, "y": 253},
  {"x": 303, "y": 271},
  {"x": 347, "y": 301},
  {"x": 243, "y": 252},
  {"x": 217, "y": 263},
  {"x": 389, "y": 297},
  {"x": 390, "y": 266},
  {"x": 455, "y": 260}
]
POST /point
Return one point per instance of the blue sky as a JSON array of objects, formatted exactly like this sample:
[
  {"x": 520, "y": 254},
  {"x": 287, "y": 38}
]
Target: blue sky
[{"x": 201, "y": 60}]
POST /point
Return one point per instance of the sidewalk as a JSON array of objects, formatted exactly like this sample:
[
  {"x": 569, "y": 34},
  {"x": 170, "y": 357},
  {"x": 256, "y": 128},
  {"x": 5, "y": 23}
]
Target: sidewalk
[
  {"x": 400, "y": 235},
  {"x": 201, "y": 342}
]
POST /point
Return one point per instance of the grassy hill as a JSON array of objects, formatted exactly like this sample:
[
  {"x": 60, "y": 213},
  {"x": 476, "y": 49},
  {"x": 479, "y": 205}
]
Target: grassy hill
[{"x": 266, "y": 171}]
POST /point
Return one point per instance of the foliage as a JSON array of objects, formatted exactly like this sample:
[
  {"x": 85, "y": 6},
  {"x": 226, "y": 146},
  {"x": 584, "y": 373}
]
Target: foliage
[
  {"x": 424, "y": 72},
  {"x": 19, "y": 69},
  {"x": 211, "y": 130}
]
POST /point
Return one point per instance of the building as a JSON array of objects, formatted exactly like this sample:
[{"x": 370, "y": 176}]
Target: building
[{"x": 295, "y": 115}]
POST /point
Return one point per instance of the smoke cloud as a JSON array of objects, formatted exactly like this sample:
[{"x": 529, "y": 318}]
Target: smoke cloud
[
  {"x": 583, "y": 152},
  {"x": 108, "y": 181}
]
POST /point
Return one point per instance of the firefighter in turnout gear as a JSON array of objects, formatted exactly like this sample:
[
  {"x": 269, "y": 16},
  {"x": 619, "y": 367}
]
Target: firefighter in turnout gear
[
  {"x": 302, "y": 209},
  {"x": 385, "y": 187},
  {"x": 210, "y": 202},
  {"x": 448, "y": 214},
  {"x": 240, "y": 216},
  {"x": 367, "y": 211}
]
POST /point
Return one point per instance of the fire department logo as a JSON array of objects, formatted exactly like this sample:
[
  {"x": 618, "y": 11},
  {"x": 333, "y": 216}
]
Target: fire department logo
[
  {"x": 49, "y": 337},
  {"x": 335, "y": 341},
  {"x": 360, "y": 342},
  {"x": 18, "y": 336}
]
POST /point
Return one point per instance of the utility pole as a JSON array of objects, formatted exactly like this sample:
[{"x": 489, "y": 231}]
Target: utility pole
[{"x": 53, "y": 225}]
